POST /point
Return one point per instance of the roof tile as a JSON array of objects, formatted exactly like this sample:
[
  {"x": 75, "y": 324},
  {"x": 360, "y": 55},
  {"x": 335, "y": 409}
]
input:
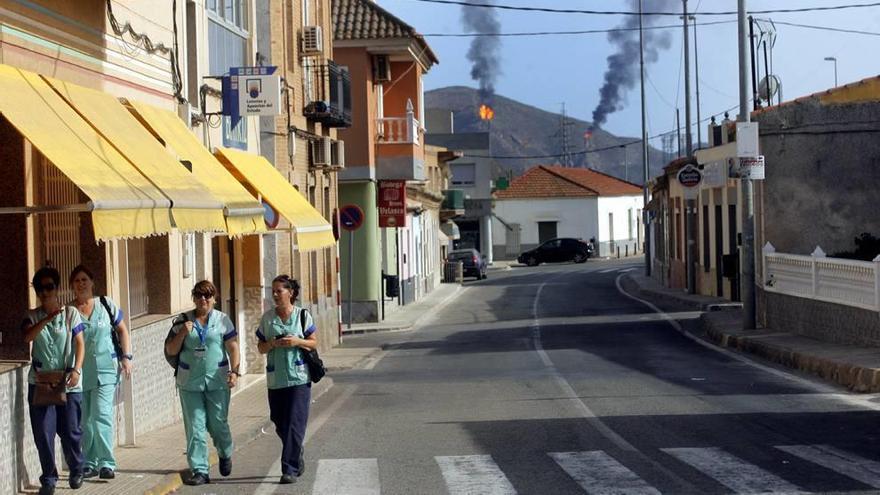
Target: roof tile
[{"x": 554, "y": 181}]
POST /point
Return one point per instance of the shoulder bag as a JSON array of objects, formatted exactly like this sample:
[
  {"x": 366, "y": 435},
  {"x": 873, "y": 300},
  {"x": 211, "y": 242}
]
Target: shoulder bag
[
  {"x": 310, "y": 357},
  {"x": 114, "y": 333},
  {"x": 50, "y": 387}
]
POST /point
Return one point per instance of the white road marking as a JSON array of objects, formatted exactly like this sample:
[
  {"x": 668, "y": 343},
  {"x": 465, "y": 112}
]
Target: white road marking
[
  {"x": 863, "y": 400},
  {"x": 626, "y": 270},
  {"x": 347, "y": 477},
  {"x": 609, "y": 270},
  {"x": 731, "y": 471},
  {"x": 268, "y": 487},
  {"x": 857, "y": 468},
  {"x": 473, "y": 474},
  {"x": 600, "y": 474},
  {"x": 578, "y": 403}
]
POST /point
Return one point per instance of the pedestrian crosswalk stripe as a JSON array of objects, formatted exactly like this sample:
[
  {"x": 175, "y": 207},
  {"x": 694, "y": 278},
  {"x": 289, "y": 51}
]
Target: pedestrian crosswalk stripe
[
  {"x": 469, "y": 474},
  {"x": 348, "y": 476},
  {"x": 857, "y": 468},
  {"x": 731, "y": 471},
  {"x": 599, "y": 473}
]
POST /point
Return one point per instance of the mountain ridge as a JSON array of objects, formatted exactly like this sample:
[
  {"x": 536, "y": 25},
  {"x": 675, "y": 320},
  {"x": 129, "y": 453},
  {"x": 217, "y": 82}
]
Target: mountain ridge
[{"x": 523, "y": 130}]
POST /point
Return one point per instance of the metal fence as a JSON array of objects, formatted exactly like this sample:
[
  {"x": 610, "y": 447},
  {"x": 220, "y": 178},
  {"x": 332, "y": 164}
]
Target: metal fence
[{"x": 841, "y": 281}]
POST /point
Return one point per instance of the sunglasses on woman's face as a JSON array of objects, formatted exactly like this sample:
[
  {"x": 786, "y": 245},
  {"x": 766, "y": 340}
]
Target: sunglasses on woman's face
[
  {"x": 202, "y": 295},
  {"x": 45, "y": 288}
]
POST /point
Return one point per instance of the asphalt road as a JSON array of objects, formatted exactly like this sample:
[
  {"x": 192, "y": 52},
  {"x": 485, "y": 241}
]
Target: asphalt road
[{"x": 548, "y": 380}]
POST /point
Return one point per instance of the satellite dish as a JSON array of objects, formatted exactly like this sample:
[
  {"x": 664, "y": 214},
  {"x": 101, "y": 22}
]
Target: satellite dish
[{"x": 774, "y": 83}]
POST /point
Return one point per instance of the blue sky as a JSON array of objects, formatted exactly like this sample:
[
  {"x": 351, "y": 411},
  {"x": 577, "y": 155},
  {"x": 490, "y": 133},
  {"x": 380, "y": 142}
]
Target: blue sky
[{"x": 546, "y": 71}]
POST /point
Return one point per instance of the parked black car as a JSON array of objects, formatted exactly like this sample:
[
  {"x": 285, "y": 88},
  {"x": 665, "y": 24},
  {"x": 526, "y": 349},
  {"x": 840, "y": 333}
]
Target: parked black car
[
  {"x": 557, "y": 250},
  {"x": 474, "y": 263}
]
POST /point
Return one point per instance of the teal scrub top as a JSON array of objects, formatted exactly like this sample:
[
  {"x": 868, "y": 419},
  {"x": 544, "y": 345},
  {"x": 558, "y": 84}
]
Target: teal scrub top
[
  {"x": 203, "y": 363},
  {"x": 284, "y": 365},
  {"x": 100, "y": 366},
  {"x": 47, "y": 350}
]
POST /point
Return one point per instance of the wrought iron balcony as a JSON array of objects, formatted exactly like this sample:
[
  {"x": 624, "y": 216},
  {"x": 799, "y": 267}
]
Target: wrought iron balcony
[{"x": 327, "y": 90}]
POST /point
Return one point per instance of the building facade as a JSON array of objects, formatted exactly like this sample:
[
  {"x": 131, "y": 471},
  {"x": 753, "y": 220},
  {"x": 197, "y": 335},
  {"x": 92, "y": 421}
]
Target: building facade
[
  {"x": 136, "y": 169},
  {"x": 387, "y": 60},
  {"x": 548, "y": 202}
]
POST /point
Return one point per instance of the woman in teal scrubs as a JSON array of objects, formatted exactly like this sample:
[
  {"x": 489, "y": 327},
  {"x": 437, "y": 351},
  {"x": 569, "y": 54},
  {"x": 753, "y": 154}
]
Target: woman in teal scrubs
[
  {"x": 55, "y": 334},
  {"x": 207, "y": 347},
  {"x": 283, "y": 333},
  {"x": 100, "y": 372}
]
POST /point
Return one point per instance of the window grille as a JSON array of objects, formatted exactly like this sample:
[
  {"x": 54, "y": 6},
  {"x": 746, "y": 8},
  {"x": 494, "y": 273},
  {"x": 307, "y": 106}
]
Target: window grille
[{"x": 59, "y": 232}]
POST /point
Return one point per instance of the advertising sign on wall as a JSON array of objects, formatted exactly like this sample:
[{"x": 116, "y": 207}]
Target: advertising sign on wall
[{"x": 392, "y": 203}]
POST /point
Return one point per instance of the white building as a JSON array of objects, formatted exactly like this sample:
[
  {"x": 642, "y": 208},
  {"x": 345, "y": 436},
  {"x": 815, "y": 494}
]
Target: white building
[{"x": 551, "y": 201}]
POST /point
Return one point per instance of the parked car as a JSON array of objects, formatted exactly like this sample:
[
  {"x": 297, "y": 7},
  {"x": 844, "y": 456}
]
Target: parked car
[
  {"x": 558, "y": 250},
  {"x": 474, "y": 263}
]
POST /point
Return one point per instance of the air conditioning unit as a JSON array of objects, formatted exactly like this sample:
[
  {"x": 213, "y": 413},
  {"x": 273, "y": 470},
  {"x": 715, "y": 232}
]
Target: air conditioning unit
[
  {"x": 321, "y": 151},
  {"x": 381, "y": 69},
  {"x": 312, "y": 40},
  {"x": 337, "y": 154}
]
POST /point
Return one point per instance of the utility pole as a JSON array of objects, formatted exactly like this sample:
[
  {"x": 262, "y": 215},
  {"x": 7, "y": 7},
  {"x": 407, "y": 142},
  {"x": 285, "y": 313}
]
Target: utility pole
[
  {"x": 678, "y": 129},
  {"x": 646, "y": 217},
  {"x": 697, "y": 81},
  {"x": 748, "y": 197},
  {"x": 690, "y": 204},
  {"x": 625, "y": 165}
]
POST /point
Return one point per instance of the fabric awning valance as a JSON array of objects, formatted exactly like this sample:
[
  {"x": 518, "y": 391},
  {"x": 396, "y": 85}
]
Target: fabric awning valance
[
  {"x": 312, "y": 230},
  {"x": 244, "y": 214},
  {"x": 123, "y": 203},
  {"x": 193, "y": 207}
]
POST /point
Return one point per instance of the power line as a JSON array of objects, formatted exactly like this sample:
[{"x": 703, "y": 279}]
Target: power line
[
  {"x": 557, "y": 33},
  {"x": 625, "y": 12},
  {"x": 828, "y": 28},
  {"x": 593, "y": 150}
]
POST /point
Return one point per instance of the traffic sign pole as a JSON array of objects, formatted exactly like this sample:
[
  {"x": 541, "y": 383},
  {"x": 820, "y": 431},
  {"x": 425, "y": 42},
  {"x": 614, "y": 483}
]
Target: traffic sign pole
[{"x": 350, "y": 274}]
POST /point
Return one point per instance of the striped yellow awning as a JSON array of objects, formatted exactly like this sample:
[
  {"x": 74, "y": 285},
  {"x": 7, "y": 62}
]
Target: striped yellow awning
[
  {"x": 123, "y": 202},
  {"x": 244, "y": 214},
  {"x": 193, "y": 207},
  {"x": 312, "y": 230}
]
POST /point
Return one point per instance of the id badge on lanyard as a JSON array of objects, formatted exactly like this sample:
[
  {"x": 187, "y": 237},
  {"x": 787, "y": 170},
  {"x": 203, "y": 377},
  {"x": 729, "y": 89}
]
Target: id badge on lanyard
[{"x": 199, "y": 351}]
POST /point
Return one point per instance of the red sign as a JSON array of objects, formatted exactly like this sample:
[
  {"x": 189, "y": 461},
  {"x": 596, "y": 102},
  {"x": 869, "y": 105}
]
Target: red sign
[{"x": 392, "y": 203}]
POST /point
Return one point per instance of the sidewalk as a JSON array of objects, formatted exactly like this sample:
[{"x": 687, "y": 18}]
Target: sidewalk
[
  {"x": 855, "y": 367},
  {"x": 154, "y": 466},
  {"x": 403, "y": 318}
]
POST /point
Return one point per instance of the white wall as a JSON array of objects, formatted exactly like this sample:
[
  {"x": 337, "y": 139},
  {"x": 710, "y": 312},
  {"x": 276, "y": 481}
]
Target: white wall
[
  {"x": 620, "y": 207},
  {"x": 576, "y": 217}
]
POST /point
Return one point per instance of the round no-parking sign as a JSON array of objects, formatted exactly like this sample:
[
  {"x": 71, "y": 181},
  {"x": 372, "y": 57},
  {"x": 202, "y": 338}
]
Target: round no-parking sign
[{"x": 351, "y": 217}]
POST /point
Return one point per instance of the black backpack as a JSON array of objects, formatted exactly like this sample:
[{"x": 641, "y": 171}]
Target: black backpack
[
  {"x": 174, "y": 359},
  {"x": 311, "y": 358}
]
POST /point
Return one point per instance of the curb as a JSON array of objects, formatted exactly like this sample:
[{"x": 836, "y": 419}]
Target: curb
[
  {"x": 174, "y": 481},
  {"x": 411, "y": 325},
  {"x": 856, "y": 378},
  {"x": 720, "y": 318}
]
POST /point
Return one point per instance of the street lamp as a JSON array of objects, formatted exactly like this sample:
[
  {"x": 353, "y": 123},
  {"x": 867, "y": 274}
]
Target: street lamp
[{"x": 833, "y": 59}]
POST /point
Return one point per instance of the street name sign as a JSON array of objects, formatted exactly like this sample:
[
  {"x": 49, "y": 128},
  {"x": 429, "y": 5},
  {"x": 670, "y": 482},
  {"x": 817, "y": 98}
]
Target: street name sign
[{"x": 751, "y": 168}]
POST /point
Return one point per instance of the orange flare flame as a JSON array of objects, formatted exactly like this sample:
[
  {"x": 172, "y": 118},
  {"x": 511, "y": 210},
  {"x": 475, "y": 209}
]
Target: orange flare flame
[{"x": 486, "y": 112}]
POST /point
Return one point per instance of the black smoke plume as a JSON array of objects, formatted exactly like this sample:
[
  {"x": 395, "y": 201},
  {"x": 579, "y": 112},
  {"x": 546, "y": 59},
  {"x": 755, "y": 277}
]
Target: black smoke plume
[
  {"x": 623, "y": 64},
  {"x": 484, "y": 52}
]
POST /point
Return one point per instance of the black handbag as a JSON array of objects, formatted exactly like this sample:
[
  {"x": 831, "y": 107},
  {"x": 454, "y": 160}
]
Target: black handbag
[
  {"x": 114, "y": 332},
  {"x": 310, "y": 357}
]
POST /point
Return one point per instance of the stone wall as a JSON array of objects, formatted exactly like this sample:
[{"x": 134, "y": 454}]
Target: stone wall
[
  {"x": 19, "y": 463},
  {"x": 823, "y": 168},
  {"x": 820, "y": 320},
  {"x": 155, "y": 402}
]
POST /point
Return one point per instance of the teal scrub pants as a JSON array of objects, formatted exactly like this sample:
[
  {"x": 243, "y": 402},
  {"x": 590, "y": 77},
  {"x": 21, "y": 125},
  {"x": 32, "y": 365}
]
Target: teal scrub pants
[
  {"x": 97, "y": 427},
  {"x": 203, "y": 412}
]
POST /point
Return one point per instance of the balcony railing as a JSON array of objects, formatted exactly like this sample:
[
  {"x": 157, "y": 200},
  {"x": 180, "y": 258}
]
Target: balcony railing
[
  {"x": 328, "y": 95},
  {"x": 400, "y": 130}
]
